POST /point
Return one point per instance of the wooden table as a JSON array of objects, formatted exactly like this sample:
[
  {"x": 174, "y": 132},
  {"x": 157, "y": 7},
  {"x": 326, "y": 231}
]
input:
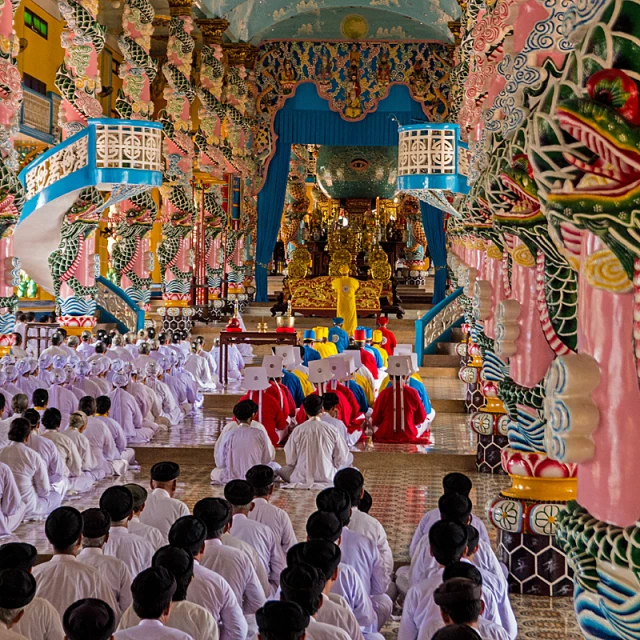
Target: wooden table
[{"x": 249, "y": 337}]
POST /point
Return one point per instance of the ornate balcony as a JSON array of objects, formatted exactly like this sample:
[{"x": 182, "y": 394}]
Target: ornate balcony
[{"x": 39, "y": 115}]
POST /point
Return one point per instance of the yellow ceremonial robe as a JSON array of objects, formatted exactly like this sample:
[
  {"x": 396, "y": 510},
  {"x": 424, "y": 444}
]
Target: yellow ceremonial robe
[
  {"x": 368, "y": 389},
  {"x": 326, "y": 349},
  {"x": 307, "y": 387},
  {"x": 383, "y": 354},
  {"x": 345, "y": 288}
]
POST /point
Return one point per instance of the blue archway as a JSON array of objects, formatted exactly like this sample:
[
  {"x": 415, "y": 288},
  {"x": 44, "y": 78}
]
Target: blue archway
[{"x": 306, "y": 119}]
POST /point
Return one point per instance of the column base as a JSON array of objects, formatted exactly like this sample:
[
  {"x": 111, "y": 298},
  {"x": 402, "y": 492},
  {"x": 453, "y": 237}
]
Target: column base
[
  {"x": 489, "y": 454},
  {"x": 474, "y": 398},
  {"x": 176, "y": 318},
  {"x": 536, "y": 563}
]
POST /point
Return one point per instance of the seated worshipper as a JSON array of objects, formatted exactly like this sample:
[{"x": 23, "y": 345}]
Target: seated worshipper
[
  {"x": 198, "y": 366},
  {"x": 320, "y": 374},
  {"x": 368, "y": 332},
  {"x": 103, "y": 446},
  {"x": 278, "y": 620},
  {"x": 310, "y": 352},
  {"x": 60, "y": 397},
  {"x": 29, "y": 471},
  {"x": 25, "y": 382},
  {"x": 17, "y": 590},
  {"x": 125, "y": 411},
  {"x": 90, "y": 464},
  {"x": 330, "y": 402},
  {"x": 132, "y": 549},
  {"x": 119, "y": 351},
  {"x": 461, "y": 602},
  {"x": 327, "y": 527},
  {"x": 56, "y": 469},
  {"x": 19, "y": 404},
  {"x": 325, "y": 557},
  {"x": 359, "y": 552},
  {"x": 274, "y": 367},
  {"x": 361, "y": 386},
  {"x": 86, "y": 347},
  {"x": 451, "y": 483},
  {"x": 97, "y": 525},
  {"x": 207, "y": 589},
  {"x": 12, "y": 508},
  {"x": 17, "y": 350},
  {"x": 144, "y": 357},
  {"x": 376, "y": 342},
  {"x": 235, "y": 361},
  {"x": 232, "y": 564},
  {"x": 398, "y": 415},
  {"x": 11, "y": 375},
  {"x": 185, "y": 616},
  {"x": 240, "y": 494},
  {"x": 207, "y": 355},
  {"x": 64, "y": 579},
  {"x": 292, "y": 361},
  {"x": 56, "y": 346},
  {"x": 352, "y": 482},
  {"x": 21, "y": 325},
  {"x": 256, "y": 383},
  {"x": 83, "y": 380},
  {"x": 152, "y": 535},
  {"x": 175, "y": 381},
  {"x": 103, "y": 408},
  {"x": 338, "y": 336},
  {"x": 194, "y": 397},
  {"x": 389, "y": 341},
  {"x": 40, "y": 619},
  {"x": 351, "y": 414},
  {"x": 152, "y": 592},
  {"x": 325, "y": 348},
  {"x": 315, "y": 451},
  {"x": 368, "y": 359},
  {"x": 242, "y": 446},
  {"x": 170, "y": 408},
  {"x": 262, "y": 478},
  {"x": 448, "y": 541},
  {"x": 304, "y": 585},
  {"x": 89, "y": 618},
  {"x": 99, "y": 370},
  {"x": 148, "y": 401},
  {"x": 291, "y": 381},
  {"x": 162, "y": 509}
]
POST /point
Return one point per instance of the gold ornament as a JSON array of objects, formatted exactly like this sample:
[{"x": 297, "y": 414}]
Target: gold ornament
[
  {"x": 604, "y": 271},
  {"x": 301, "y": 254},
  {"x": 297, "y": 270},
  {"x": 522, "y": 256},
  {"x": 494, "y": 253}
]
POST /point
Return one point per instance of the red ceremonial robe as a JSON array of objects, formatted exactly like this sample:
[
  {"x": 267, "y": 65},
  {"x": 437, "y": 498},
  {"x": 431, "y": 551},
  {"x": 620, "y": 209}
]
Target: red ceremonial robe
[
  {"x": 356, "y": 417},
  {"x": 344, "y": 410},
  {"x": 369, "y": 361},
  {"x": 391, "y": 425},
  {"x": 269, "y": 413},
  {"x": 284, "y": 398},
  {"x": 390, "y": 345}
]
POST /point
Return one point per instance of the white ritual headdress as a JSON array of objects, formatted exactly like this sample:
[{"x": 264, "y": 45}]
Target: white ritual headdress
[
  {"x": 341, "y": 367},
  {"x": 403, "y": 350},
  {"x": 255, "y": 379},
  {"x": 320, "y": 371},
  {"x": 273, "y": 365},
  {"x": 399, "y": 366}
]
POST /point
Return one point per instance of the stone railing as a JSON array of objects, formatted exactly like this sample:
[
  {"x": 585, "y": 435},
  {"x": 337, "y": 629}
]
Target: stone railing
[
  {"x": 437, "y": 321},
  {"x": 118, "y": 307}
]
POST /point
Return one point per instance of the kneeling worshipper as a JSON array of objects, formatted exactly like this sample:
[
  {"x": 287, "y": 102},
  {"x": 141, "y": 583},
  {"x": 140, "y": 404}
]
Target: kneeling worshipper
[
  {"x": 150, "y": 534},
  {"x": 235, "y": 361},
  {"x": 207, "y": 355},
  {"x": 89, "y": 618},
  {"x": 83, "y": 380},
  {"x": 75, "y": 432},
  {"x": 292, "y": 362},
  {"x": 12, "y": 508},
  {"x": 310, "y": 353},
  {"x": 274, "y": 367},
  {"x": 185, "y": 616},
  {"x": 315, "y": 451},
  {"x": 278, "y": 620},
  {"x": 242, "y": 444},
  {"x": 29, "y": 471},
  {"x": 338, "y": 336},
  {"x": 126, "y": 412},
  {"x": 376, "y": 342},
  {"x": 361, "y": 377},
  {"x": 389, "y": 341},
  {"x": 291, "y": 381},
  {"x": 103, "y": 409},
  {"x": 368, "y": 332},
  {"x": 198, "y": 366},
  {"x": 175, "y": 382},
  {"x": 330, "y": 402},
  {"x": 367, "y": 358},
  {"x": 341, "y": 368},
  {"x": 39, "y": 619},
  {"x": 256, "y": 383},
  {"x": 170, "y": 409},
  {"x": 398, "y": 415},
  {"x": 17, "y": 591},
  {"x": 60, "y": 397},
  {"x": 325, "y": 348}
]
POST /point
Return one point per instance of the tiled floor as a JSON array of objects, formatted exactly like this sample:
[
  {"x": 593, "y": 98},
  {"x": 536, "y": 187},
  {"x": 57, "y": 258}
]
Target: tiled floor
[{"x": 400, "y": 496}]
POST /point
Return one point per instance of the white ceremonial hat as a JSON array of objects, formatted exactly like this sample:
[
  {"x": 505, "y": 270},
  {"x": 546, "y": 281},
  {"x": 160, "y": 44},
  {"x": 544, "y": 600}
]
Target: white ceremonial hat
[
  {"x": 255, "y": 379},
  {"x": 320, "y": 371},
  {"x": 340, "y": 367},
  {"x": 403, "y": 349},
  {"x": 414, "y": 363},
  {"x": 273, "y": 365},
  {"x": 399, "y": 366},
  {"x": 284, "y": 350},
  {"x": 355, "y": 358},
  {"x": 288, "y": 355}
]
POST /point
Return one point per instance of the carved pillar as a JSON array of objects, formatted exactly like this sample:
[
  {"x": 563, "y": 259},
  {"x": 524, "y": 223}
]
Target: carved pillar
[
  {"x": 74, "y": 264},
  {"x": 175, "y": 252},
  {"x": 131, "y": 258},
  {"x": 12, "y": 197}
]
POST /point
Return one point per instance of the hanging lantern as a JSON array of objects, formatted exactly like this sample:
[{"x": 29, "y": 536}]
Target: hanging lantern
[{"x": 433, "y": 163}]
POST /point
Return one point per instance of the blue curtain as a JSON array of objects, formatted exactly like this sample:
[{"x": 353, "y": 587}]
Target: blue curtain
[
  {"x": 433, "y": 223},
  {"x": 306, "y": 119},
  {"x": 270, "y": 206}
]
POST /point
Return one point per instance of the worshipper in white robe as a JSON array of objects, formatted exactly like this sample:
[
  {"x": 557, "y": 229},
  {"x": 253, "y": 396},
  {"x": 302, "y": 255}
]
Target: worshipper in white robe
[
  {"x": 188, "y": 379},
  {"x": 100, "y": 368},
  {"x": 235, "y": 362},
  {"x": 20, "y": 326},
  {"x": 90, "y": 466},
  {"x": 64, "y": 580},
  {"x": 200, "y": 369},
  {"x": 162, "y": 509},
  {"x": 240, "y": 448},
  {"x": 89, "y": 618},
  {"x": 175, "y": 384},
  {"x": 132, "y": 549},
  {"x": 282, "y": 619},
  {"x": 17, "y": 349},
  {"x": 97, "y": 525},
  {"x": 170, "y": 409},
  {"x": 125, "y": 411},
  {"x": 7, "y": 412},
  {"x": 130, "y": 344},
  {"x": 262, "y": 478},
  {"x": 56, "y": 348},
  {"x": 29, "y": 471},
  {"x": 103, "y": 408},
  {"x": 86, "y": 347},
  {"x": 244, "y": 349},
  {"x": 152, "y": 592},
  {"x": 40, "y": 621},
  {"x": 119, "y": 351},
  {"x": 12, "y": 508},
  {"x": 144, "y": 357},
  {"x": 59, "y": 397},
  {"x": 208, "y": 589},
  {"x": 56, "y": 469},
  {"x": 12, "y": 374},
  {"x": 17, "y": 590},
  {"x": 148, "y": 401},
  {"x": 314, "y": 451},
  {"x": 79, "y": 480},
  {"x": 330, "y": 402},
  {"x": 185, "y": 616},
  {"x": 100, "y": 351},
  {"x": 150, "y": 534},
  {"x": 84, "y": 382},
  {"x": 240, "y": 494},
  {"x": 70, "y": 374},
  {"x": 232, "y": 564},
  {"x": 24, "y": 382}
]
